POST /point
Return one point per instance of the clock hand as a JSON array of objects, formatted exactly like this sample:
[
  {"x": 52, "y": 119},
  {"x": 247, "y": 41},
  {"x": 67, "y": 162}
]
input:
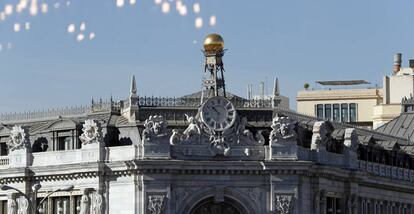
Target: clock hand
[{"x": 215, "y": 110}]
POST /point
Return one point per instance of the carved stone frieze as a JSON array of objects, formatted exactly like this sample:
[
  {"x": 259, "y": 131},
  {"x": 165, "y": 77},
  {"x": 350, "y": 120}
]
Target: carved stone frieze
[
  {"x": 92, "y": 132},
  {"x": 156, "y": 203},
  {"x": 283, "y": 203},
  {"x": 155, "y": 126},
  {"x": 19, "y": 138}
]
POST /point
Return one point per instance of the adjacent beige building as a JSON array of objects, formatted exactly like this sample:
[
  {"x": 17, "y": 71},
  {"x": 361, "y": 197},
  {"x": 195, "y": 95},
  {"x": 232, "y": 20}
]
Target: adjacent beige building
[
  {"x": 396, "y": 87},
  {"x": 340, "y": 105}
]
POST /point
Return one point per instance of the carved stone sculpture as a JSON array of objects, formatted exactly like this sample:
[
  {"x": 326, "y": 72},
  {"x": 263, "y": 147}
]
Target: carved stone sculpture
[
  {"x": 175, "y": 137},
  {"x": 282, "y": 129},
  {"x": 218, "y": 146},
  {"x": 23, "y": 205},
  {"x": 320, "y": 136},
  {"x": 84, "y": 204},
  {"x": 351, "y": 139},
  {"x": 260, "y": 138},
  {"x": 192, "y": 129},
  {"x": 155, "y": 126},
  {"x": 242, "y": 131},
  {"x": 156, "y": 204},
  {"x": 92, "y": 132},
  {"x": 283, "y": 203},
  {"x": 19, "y": 138},
  {"x": 11, "y": 205}
]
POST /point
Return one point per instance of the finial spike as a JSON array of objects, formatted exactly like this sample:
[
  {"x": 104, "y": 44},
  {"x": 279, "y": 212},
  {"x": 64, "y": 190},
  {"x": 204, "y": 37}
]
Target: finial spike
[
  {"x": 276, "y": 90},
  {"x": 133, "y": 86}
]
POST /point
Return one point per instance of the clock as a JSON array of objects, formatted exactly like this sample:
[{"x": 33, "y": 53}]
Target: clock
[{"x": 218, "y": 113}]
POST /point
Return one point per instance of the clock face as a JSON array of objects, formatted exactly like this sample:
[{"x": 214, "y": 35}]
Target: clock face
[{"x": 218, "y": 113}]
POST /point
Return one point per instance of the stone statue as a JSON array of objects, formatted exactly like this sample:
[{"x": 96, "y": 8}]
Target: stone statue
[
  {"x": 84, "y": 204},
  {"x": 192, "y": 129},
  {"x": 155, "y": 126},
  {"x": 218, "y": 146},
  {"x": 175, "y": 137},
  {"x": 282, "y": 129},
  {"x": 320, "y": 136},
  {"x": 92, "y": 132},
  {"x": 156, "y": 204},
  {"x": 23, "y": 205},
  {"x": 260, "y": 138},
  {"x": 351, "y": 140},
  {"x": 19, "y": 138},
  {"x": 242, "y": 131},
  {"x": 11, "y": 206}
]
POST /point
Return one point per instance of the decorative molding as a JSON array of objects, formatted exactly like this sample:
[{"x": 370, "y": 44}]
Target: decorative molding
[
  {"x": 283, "y": 203},
  {"x": 92, "y": 132},
  {"x": 156, "y": 203},
  {"x": 19, "y": 138}
]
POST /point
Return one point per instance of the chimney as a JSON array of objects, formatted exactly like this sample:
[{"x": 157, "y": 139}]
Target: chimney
[
  {"x": 411, "y": 63},
  {"x": 397, "y": 62}
]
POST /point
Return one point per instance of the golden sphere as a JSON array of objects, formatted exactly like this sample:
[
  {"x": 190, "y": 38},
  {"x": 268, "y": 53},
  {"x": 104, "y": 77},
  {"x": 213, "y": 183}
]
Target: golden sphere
[{"x": 213, "y": 42}]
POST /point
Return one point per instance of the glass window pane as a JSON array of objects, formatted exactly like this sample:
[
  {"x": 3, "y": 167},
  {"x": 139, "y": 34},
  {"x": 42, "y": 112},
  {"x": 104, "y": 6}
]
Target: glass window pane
[
  {"x": 336, "y": 112},
  {"x": 352, "y": 112},
  {"x": 344, "y": 112},
  {"x": 328, "y": 111},
  {"x": 319, "y": 111}
]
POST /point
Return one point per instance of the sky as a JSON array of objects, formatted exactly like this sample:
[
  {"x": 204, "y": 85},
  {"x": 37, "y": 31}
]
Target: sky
[{"x": 45, "y": 63}]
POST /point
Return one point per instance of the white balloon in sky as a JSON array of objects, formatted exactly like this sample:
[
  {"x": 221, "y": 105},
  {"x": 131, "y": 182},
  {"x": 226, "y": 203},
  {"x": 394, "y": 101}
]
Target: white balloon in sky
[
  {"x": 2, "y": 16},
  {"x": 198, "y": 22},
  {"x": 33, "y": 8},
  {"x": 196, "y": 8},
  {"x": 213, "y": 20},
  {"x": 120, "y": 3},
  {"x": 71, "y": 28},
  {"x": 132, "y": 2},
  {"x": 82, "y": 26},
  {"x": 80, "y": 37},
  {"x": 165, "y": 7},
  {"x": 44, "y": 8},
  {"x": 8, "y": 9},
  {"x": 157, "y": 1},
  {"x": 16, "y": 27},
  {"x": 178, "y": 5},
  {"x": 92, "y": 36},
  {"x": 183, "y": 10},
  {"x": 27, "y": 25}
]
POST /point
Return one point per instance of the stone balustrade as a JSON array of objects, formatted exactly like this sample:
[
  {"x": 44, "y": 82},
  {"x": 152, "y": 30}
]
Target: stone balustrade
[
  {"x": 4, "y": 162},
  {"x": 387, "y": 171}
]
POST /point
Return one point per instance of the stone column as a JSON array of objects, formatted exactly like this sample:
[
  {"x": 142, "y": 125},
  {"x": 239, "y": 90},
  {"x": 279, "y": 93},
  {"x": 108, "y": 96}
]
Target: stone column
[
  {"x": 351, "y": 148},
  {"x": 323, "y": 202}
]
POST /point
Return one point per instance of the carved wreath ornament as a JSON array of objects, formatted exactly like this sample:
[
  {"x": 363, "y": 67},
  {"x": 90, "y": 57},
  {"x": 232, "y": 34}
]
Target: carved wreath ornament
[
  {"x": 19, "y": 138},
  {"x": 91, "y": 132}
]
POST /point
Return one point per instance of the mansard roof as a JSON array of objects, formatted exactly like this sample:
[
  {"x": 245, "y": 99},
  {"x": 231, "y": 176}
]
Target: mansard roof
[{"x": 401, "y": 127}]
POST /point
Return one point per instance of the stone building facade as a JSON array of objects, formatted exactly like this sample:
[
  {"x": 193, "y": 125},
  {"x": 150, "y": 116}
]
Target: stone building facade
[{"x": 223, "y": 154}]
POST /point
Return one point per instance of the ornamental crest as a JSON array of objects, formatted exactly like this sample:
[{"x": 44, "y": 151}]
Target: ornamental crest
[
  {"x": 282, "y": 129},
  {"x": 155, "y": 126},
  {"x": 91, "y": 132},
  {"x": 19, "y": 138},
  {"x": 283, "y": 203},
  {"x": 156, "y": 204}
]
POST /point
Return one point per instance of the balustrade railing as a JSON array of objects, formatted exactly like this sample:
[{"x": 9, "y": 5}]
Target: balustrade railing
[
  {"x": 4, "y": 161},
  {"x": 387, "y": 171}
]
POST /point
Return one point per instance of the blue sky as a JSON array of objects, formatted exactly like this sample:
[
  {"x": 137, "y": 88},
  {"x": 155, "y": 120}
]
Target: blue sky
[{"x": 297, "y": 41}]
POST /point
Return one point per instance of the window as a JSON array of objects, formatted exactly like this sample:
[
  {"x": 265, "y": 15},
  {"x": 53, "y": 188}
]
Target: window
[
  {"x": 61, "y": 205},
  {"x": 3, "y": 206},
  {"x": 328, "y": 111},
  {"x": 336, "y": 112},
  {"x": 352, "y": 112},
  {"x": 333, "y": 205},
  {"x": 344, "y": 112},
  {"x": 3, "y": 149},
  {"x": 319, "y": 111}
]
